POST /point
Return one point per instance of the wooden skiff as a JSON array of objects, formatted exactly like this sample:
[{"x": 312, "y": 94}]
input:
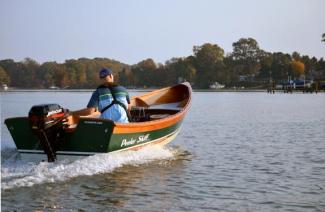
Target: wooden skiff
[{"x": 157, "y": 117}]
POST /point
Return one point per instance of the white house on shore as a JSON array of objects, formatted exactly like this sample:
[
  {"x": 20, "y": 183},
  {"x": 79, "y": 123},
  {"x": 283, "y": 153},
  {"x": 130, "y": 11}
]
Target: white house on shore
[
  {"x": 5, "y": 87},
  {"x": 216, "y": 85}
]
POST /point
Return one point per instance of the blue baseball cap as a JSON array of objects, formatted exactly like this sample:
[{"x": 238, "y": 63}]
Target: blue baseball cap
[{"x": 105, "y": 72}]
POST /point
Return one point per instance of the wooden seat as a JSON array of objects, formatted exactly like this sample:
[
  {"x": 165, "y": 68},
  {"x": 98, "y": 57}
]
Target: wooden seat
[{"x": 158, "y": 116}]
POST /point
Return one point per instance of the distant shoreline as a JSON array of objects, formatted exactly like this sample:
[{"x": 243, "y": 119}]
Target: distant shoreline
[
  {"x": 142, "y": 90},
  {"x": 135, "y": 90}
]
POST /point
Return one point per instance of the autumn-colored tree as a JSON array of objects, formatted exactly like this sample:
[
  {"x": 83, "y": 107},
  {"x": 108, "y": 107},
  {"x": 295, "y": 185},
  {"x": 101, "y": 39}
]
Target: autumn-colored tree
[{"x": 298, "y": 68}]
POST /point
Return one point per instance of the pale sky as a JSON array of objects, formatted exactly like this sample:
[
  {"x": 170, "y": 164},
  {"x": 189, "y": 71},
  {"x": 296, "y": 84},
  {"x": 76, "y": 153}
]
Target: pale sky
[{"x": 132, "y": 30}]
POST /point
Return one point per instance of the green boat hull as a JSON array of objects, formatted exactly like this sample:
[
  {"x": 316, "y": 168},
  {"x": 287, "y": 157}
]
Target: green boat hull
[{"x": 92, "y": 136}]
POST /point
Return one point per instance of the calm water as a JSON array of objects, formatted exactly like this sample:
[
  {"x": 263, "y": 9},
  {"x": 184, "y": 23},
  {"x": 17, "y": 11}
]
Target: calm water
[{"x": 235, "y": 152}]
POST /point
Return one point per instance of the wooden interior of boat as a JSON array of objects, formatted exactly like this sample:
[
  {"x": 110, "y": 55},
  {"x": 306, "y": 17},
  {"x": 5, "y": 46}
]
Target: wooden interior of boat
[
  {"x": 161, "y": 103},
  {"x": 154, "y": 105},
  {"x": 176, "y": 94}
]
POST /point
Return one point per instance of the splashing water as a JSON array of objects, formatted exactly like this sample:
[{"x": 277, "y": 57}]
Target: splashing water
[{"x": 16, "y": 173}]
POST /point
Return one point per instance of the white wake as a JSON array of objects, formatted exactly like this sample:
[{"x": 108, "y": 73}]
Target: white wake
[{"x": 17, "y": 173}]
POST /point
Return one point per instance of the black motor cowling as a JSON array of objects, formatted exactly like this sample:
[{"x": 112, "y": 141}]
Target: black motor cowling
[{"x": 46, "y": 122}]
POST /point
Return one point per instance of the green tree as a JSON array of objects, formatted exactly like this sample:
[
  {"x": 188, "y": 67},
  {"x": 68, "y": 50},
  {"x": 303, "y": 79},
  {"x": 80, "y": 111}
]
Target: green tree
[
  {"x": 147, "y": 64},
  {"x": 180, "y": 69},
  {"x": 319, "y": 73},
  {"x": 208, "y": 62},
  {"x": 296, "y": 56},
  {"x": 281, "y": 66},
  {"x": 230, "y": 73},
  {"x": 46, "y": 73},
  {"x": 4, "y": 78},
  {"x": 13, "y": 70},
  {"x": 144, "y": 73},
  {"x": 30, "y": 71},
  {"x": 266, "y": 66},
  {"x": 61, "y": 78},
  {"x": 77, "y": 69},
  {"x": 247, "y": 54},
  {"x": 310, "y": 66}
]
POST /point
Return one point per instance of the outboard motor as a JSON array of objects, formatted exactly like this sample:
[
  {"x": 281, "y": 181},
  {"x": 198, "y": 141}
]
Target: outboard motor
[{"x": 46, "y": 122}]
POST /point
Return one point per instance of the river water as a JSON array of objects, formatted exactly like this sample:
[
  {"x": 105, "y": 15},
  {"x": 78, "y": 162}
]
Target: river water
[{"x": 235, "y": 152}]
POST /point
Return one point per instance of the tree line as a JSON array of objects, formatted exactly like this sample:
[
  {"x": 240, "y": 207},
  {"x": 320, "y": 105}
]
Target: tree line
[{"x": 247, "y": 65}]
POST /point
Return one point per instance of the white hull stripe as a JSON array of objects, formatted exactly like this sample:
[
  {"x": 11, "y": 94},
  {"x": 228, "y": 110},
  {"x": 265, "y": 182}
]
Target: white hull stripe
[{"x": 58, "y": 152}]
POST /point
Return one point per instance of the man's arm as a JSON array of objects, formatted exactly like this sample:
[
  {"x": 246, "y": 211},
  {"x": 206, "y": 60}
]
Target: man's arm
[
  {"x": 84, "y": 112},
  {"x": 73, "y": 118}
]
